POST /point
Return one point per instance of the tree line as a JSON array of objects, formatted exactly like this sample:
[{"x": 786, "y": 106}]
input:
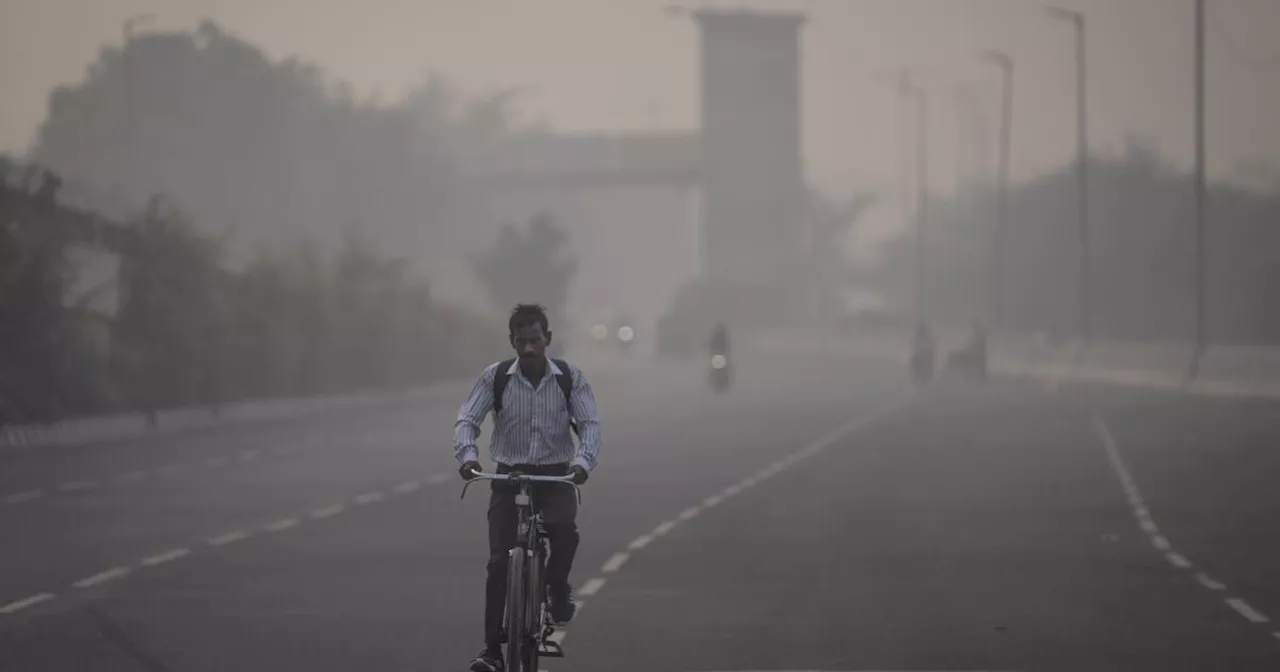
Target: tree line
[
  {"x": 1141, "y": 263},
  {"x": 279, "y": 251},
  {"x": 186, "y": 328}
]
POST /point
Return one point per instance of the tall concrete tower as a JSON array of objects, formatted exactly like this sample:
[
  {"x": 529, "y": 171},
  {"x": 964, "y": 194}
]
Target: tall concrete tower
[{"x": 754, "y": 178}]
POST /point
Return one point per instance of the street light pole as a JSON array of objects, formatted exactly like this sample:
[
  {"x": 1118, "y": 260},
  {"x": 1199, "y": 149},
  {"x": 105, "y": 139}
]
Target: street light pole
[
  {"x": 1082, "y": 162},
  {"x": 1005, "y": 63},
  {"x": 922, "y": 186},
  {"x": 1202, "y": 327}
]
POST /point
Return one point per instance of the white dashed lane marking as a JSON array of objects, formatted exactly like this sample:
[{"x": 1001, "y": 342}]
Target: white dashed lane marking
[
  {"x": 102, "y": 577},
  {"x": 18, "y": 605},
  {"x": 76, "y": 486},
  {"x": 368, "y": 498},
  {"x": 615, "y": 563},
  {"x": 328, "y": 511},
  {"x": 167, "y": 556},
  {"x": 591, "y": 587},
  {"x": 617, "y": 560},
  {"x": 1209, "y": 582},
  {"x": 171, "y": 469},
  {"x": 1158, "y": 540},
  {"x": 1243, "y": 608},
  {"x": 139, "y": 475},
  {"x": 229, "y": 538},
  {"x": 173, "y": 555},
  {"x": 664, "y": 528},
  {"x": 19, "y": 497},
  {"x": 279, "y": 525},
  {"x": 406, "y": 488},
  {"x": 639, "y": 542}
]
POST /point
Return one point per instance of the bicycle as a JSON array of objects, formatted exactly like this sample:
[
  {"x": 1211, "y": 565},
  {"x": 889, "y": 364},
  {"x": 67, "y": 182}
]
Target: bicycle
[{"x": 525, "y": 621}]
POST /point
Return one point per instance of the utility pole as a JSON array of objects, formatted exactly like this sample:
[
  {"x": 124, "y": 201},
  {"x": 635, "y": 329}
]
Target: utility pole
[
  {"x": 1082, "y": 163},
  {"x": 904, "y": 136},
  {"x": 1005, "y": 63},
  {"x": 1202, "y": 327},
  {"x": 922, "y": 189}
]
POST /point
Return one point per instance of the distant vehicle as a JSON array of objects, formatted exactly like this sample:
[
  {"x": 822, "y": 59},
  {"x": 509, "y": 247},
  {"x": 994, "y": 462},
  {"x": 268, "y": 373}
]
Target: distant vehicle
[
  {"x": 616, "y": 331},
  {"x": 970, "y": 362},
  {"x": 720, "y": 374},
  {"x": 922, "y": 355}
]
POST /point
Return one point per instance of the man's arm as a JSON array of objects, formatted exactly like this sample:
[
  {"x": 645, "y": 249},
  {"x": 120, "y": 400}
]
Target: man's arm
[
  {"x": 467, "y": 429},
  {"x": 587, "y": 416}
]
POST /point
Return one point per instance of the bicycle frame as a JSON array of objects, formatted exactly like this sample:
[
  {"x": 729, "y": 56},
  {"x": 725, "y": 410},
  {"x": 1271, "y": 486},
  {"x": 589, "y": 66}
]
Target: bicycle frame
[{"x": 525, "y": 617}]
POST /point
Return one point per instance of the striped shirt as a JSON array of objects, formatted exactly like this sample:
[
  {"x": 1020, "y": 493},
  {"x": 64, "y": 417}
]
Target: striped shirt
[{"x": 533, "y": 427}]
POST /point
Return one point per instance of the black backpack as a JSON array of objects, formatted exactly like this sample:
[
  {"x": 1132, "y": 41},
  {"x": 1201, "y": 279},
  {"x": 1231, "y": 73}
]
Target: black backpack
[{"x": 565, "y": 380}]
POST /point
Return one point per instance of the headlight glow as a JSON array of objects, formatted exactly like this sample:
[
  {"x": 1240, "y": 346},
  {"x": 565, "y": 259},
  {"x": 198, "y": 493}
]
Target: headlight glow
[{"x": 625, "y": 334}]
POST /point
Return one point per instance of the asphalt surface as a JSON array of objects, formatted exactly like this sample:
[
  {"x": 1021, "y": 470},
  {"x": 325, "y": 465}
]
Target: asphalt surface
[{"x": 823, "y": 515}]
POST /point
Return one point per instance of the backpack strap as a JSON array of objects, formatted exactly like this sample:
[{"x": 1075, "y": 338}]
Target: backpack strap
[
  {"x": 500, "y": 379},
  {"x": 565, "y": 380}
]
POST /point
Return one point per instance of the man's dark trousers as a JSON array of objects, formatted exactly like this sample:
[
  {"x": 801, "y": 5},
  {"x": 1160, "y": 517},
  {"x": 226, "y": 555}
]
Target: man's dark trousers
[{"x": 559, "y": 507}]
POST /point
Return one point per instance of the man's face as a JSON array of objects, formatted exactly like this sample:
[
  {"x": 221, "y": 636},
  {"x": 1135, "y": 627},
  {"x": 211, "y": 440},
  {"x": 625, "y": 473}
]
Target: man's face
[{"x": 530, "y": 341}]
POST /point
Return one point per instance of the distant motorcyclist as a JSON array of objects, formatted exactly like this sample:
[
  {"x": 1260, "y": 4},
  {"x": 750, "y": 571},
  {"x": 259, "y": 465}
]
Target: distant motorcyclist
[
  {"x": 978, "y": 349},
  {"x": 922, "y": 352},
  {"x": 719, "y": 344}
]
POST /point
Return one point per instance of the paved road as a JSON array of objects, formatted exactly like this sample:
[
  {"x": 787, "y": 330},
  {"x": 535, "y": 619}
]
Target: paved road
[{"x": 823, "y": 516}]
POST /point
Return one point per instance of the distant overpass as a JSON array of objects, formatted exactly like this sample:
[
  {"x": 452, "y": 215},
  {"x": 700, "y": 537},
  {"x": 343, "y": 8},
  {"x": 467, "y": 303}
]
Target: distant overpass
[{"x": 586, "y": 161}]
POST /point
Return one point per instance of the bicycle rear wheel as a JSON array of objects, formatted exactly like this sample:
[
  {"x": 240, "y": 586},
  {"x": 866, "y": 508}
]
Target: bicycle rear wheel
[
  {"x": 535, "y": 610},
  {"x": 517, "y": 639}
]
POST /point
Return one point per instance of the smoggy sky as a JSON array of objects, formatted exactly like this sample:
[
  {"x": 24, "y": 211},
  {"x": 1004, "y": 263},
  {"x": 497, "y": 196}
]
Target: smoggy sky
[{"x": 625, "y": 64}]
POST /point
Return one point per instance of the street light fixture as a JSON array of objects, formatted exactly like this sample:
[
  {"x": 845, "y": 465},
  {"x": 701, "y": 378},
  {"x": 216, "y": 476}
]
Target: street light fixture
[
  {"x": 1005, "y": 63},
  {"x": 921, "y": 97},
  {"x": 1077, "y": 20}
]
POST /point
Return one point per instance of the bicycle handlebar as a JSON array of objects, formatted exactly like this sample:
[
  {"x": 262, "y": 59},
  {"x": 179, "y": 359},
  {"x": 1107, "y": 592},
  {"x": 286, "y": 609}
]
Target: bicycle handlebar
[{"x": 517, "y": 477}]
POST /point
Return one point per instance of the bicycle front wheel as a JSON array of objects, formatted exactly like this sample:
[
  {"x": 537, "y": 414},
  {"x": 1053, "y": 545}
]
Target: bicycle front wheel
[
  {"x": 535, "y": 606},
  {"x": 517, "y": 638}
]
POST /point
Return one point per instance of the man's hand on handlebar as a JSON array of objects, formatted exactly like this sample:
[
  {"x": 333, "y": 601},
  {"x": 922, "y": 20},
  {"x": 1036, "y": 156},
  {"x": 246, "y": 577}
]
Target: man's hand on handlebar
[
  {"x": 580, "y": 474},
  {"x": 467, "y": 469}
]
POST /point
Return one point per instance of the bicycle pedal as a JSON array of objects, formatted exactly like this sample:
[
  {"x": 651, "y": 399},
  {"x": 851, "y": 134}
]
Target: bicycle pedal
[{"x": 551, "y": 650}]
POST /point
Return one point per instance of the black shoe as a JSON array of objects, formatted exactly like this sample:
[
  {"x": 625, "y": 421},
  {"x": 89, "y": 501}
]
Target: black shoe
[
  {"x": 489, "y": 660},
  {"x": 563, "y": 607}
]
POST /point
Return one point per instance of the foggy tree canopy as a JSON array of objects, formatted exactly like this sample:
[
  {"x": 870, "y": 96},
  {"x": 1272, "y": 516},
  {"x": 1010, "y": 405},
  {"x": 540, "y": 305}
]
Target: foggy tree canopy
[
  {"x": 316, "y": 185},
  {"x": 528, "y": 265},
  {"x": 1142, "y": 255},
  {"x": 274, "y": 148}
]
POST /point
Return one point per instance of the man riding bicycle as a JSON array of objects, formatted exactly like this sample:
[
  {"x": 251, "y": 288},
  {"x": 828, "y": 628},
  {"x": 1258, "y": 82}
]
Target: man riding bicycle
[{"x": 536, "y": 402}]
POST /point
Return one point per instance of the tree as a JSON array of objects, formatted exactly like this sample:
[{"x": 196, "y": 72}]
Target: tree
[
  {"x": 165, "y": 338},
  {"x": 46, "y": 367},
  {"x": 528, "y": 266},
  {"x": 1142, "y": 255},
  {"x": 210, "y": 120}
]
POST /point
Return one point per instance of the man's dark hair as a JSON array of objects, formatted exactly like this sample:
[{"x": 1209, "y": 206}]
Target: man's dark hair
[{"x": 526, "y": 314}]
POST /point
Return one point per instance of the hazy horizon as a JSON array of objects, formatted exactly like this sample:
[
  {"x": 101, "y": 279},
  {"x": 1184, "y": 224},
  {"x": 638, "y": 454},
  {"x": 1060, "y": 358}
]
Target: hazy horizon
[{"x": 627, "y": 66}]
